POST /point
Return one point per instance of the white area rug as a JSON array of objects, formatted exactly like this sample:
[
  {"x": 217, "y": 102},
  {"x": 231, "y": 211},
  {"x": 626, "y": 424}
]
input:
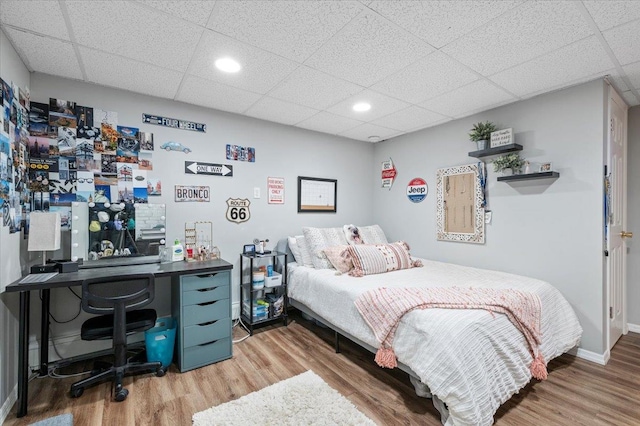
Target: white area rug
[{"x": 303, "y": 399}]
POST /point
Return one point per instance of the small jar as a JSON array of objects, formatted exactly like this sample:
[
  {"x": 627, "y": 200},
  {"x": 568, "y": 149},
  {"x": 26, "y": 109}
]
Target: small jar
[{"x": 215, "y": 253}]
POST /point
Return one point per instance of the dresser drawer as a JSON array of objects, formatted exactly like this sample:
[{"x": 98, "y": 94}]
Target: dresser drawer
[
  {"x": 197, "y": 356},
  {"x": 197, "y": 282},
  {"x": 206, "y": 312},
  {"x": 208, "y": 332},
  {"x": 207, "y": 294}
]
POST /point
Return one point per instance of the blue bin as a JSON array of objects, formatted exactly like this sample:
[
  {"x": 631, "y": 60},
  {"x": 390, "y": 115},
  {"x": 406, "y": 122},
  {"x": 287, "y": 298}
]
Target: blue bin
[{"x": 160, "y": 340}]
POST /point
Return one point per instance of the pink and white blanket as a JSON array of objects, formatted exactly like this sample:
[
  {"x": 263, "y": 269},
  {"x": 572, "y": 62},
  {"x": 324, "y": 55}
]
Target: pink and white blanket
[{"x": 383, "y": 308}]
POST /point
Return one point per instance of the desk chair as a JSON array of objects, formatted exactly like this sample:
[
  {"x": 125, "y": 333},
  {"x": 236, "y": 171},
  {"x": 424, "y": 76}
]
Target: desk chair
[{"x": 117, "y": 301}]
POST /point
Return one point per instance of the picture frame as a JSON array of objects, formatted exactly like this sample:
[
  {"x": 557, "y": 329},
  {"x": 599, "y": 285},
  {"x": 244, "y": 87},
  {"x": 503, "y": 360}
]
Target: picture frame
[
  {"x": 317, "y": 195},
  {"x": 545, "y": 167},
  {"x": 249, "y": 249}
]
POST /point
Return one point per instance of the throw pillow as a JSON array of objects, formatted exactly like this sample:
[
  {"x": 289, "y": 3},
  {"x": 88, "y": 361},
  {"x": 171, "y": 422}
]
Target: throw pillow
[
  {"x": 319, "y": 239},
  {"x": 339, "y": 258},
  {"x": 301, "y": 242},
  {"x": 372, "y": 235},
  {"x": 295, "y": 250},
  {"x": 379, "y": 258}
]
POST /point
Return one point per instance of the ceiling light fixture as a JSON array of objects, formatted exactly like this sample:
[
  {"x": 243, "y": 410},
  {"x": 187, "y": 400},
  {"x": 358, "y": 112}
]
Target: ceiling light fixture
[
  {"x": 228, "y": 65},
  {"x": 374, "y": 138},
  {"x": 362, "y": 107}
]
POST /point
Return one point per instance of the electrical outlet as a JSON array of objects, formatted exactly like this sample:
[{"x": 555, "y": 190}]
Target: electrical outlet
[{"x": 256, "y": 192}]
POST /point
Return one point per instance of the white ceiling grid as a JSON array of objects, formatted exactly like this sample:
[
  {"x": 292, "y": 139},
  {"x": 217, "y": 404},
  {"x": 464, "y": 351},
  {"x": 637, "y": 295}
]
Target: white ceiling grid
[{"x": 305, "y": 63}]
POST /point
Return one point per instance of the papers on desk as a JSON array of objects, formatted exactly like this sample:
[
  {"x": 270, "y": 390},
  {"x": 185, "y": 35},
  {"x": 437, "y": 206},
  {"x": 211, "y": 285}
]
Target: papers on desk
[{"x": 37, "y": 278}]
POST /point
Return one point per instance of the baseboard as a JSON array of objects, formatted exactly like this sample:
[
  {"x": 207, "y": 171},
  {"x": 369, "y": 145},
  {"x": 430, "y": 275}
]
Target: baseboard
[
  {"x": 634, "y": 328},
  {"x": 601, "y": 359},
  {"x": 8, "y": 404}
]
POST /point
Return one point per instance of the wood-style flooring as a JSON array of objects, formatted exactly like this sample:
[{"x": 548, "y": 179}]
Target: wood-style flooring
[{"x": 577, "y": 392}]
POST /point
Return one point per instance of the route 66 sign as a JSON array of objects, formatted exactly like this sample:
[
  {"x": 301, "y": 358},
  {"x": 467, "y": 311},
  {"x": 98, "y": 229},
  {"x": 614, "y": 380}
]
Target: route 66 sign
[{"x": 238, "y": 210}]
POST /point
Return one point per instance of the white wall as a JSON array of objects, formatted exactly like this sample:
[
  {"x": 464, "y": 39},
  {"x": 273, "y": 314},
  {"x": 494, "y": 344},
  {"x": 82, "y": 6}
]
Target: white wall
[
  {"x": 11, "y": 70},
  {"x": 550, "y": 230},
  {"x": 633, "y": 207}
]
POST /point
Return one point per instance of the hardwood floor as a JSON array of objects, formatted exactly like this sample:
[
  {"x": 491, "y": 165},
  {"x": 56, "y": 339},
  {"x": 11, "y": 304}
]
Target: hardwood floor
[{"x": 577, "y": 392}]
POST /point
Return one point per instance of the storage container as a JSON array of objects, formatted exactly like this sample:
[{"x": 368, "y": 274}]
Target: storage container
[{"x": 160, "y": 340}]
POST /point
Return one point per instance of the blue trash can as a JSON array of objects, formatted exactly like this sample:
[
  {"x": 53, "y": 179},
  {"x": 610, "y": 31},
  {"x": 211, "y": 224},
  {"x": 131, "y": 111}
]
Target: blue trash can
[{"x": 160, "y": 340}]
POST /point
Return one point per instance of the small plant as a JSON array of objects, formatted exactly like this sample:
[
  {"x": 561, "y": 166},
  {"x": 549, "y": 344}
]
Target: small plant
[
  {"x": 482, "y": 131},
  {"x": 510, "y": 161}
]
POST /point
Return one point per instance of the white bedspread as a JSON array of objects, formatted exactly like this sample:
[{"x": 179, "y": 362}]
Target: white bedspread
[{"x": 471, "y": 360}]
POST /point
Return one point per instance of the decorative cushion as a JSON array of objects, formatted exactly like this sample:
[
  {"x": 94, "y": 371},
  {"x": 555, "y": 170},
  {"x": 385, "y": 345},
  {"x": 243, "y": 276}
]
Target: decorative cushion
[
  {"x": 379, "y": 258},
  {"x": 352, "y": 234},
  {"x": 319, "y": 239},
  {"x": 372, "y": 235},
  {"x": 302, "y": 245},
  {"x": 339, "y": 258},
  {"x": 293, "y": 246}
]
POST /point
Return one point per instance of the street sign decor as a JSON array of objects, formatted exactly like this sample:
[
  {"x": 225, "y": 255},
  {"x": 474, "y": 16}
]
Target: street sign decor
[
  {"x": 199, "y": 168},
  {"x": 417, "y": 190},
  {"x": 174, "y": 123},
  {"x": 389, "y": 173},
  {"x": 192, "y": 193},
  {"x": 238, "y": 210}
]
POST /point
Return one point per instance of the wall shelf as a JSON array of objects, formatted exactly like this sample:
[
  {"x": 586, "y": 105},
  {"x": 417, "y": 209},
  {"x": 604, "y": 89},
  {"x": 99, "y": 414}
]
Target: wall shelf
[
  {"x": 529, "y": 176},
  {"x": 513, "y": 147}
]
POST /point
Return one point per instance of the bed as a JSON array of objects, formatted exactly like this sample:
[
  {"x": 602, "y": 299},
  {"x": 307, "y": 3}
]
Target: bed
[{"x": 469, "y": 360}]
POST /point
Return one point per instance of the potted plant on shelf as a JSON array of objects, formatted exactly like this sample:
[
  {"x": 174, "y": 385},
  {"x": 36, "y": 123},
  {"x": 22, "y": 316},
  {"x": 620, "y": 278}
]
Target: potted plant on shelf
[
  {"x": 508, "y": 164},
  {"x": 481, "y": 133}
]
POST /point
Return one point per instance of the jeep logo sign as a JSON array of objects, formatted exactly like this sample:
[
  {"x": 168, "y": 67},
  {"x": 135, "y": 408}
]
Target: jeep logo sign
[{"x": 417, "y": 190}]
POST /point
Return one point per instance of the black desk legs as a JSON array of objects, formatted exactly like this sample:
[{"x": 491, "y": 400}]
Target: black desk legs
[
  {"x": 44, "y": 333},
  {"x": 23, "y": 354}
]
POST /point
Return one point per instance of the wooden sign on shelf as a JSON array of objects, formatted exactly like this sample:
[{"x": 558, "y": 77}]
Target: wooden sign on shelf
[{"x": 501, "y": 137}]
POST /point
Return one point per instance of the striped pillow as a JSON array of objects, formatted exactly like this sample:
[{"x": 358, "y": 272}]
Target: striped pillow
[{"x": 371, "y": 259}]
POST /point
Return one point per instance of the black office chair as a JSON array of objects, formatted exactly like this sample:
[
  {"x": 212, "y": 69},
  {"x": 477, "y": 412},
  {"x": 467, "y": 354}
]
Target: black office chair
[{"x": 118, "y": 300}]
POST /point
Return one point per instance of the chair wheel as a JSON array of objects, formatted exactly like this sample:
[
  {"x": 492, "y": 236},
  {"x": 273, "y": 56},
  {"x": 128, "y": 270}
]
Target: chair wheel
[
  {"x": 121, "y": 395},
  {"x": 77, "y": 393},
  {"x": 161, "y": 372}
]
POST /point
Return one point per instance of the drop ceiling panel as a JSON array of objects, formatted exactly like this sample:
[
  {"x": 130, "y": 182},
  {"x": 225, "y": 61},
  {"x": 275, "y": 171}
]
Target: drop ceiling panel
[
  {"x": 468, "y": 99},
  {"x": 107, "y": 69},
  {"x": 261, "y": 70},
  {"x": 441, "y": 22},
  {"x": 531, "y": 30},
  {"x": 577, "y": 61},
  {"x": 623, "y": 40},
  {"x": 429, "y": 77},
  {"x": 329, "y": 123},
  {"x": 210, "y": 94},
  {"x": 314, "y": 89},
  {"x": 608, "y": 14},
  {"x": 367, "y": 50},
  {"x": 280, "y": 111},
  {"x": 197, "y": 11},
  {"x": 46, "y": 55},
  {"x": 293, "y": 29},
  {"x": 630, "y": 98},
  {"x": 633, "y": 72},
  {"x": 381, "y": 105},
  {"x": 43, "y": 17},
  {"x": 410, "y": 119},
  {"x": 134, "y": 31},
  {"x": 363, "y": 132}
]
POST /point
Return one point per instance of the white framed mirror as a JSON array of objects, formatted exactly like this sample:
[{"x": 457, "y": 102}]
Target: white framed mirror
[{"x": 459, "y": 204}]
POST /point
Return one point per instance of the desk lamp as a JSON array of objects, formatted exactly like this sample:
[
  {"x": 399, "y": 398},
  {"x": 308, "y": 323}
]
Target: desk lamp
[{"x": 44, "y": 235}]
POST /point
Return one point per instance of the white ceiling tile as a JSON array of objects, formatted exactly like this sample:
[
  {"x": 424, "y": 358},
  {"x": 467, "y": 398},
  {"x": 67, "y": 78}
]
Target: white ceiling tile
[
  {"x": 134, "y": 31},
  {"x": 107, "y": 69},
  {"x": 568, "y": 64},
  {"x": 314, "y": 89},
  {"x": 467, "y": 99},
  {"x": 623, "y": 40},
  {"x": 633, "y": 72},
  {"x": 429, "y": 77},
  {"x": 441, "y": 22},
  {"x": 210, "y": 94},
  {"x": 381, "y": 105},
  {"x": 608, "y": 14},
  {"x": 519, "y": 35},
  {"x": 261, "y": 70},
  {"x": 196, "y": 11},
  {"x": 279, "y": 111},
  {"x": 630, "y": 98},
  {"x": 363, "y": 132},
  {"x": 45, "y": 54},
  {"x": 409, "y": 119},
  {"x": 44, "y": 17},
  {"x": 293, "y": 29},
  {"x": 367, "y": 50},
  {"x": 616, "y": 79},
  {"x": 329, "y": 123}
]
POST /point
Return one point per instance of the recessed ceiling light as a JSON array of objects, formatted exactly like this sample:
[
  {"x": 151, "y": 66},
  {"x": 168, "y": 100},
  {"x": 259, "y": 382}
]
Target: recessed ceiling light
[
  {"x": 362, "y": 107},
  {"x": 228, "y": 65},
  {"x": 374, "y": 138}
]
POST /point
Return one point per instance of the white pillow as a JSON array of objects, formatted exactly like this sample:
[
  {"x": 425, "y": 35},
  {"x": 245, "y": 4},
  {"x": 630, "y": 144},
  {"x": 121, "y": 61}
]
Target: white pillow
[
  {"x": 319, "y": 239},
  {"x": 305, "y": 253},
  {"x": 372, "y": 234},
  {"x": 293, "y": 246}
]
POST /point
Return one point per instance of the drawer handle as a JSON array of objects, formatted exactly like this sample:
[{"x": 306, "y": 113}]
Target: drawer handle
[
  {"x": 204, "y": 324},
  {"x": 206, "y": 275},
  {"x": 208, "y": 343},
  {"x": 207, "y": 289},
  {"x": 207, "y": 303}
]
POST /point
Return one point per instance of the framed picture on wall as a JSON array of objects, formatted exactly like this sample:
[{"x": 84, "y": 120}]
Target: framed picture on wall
[
  {"x": 545, "y": 167},
  {"x": 317, "y": 195}
]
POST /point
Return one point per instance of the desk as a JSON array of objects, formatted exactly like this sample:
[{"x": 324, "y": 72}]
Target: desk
[{"x": 75, "y": 279}]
